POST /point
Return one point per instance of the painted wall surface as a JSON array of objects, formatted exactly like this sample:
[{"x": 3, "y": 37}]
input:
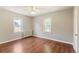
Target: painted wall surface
[
  {"x": 6, "y": 25},
  {"x": 62, "y": 25}
]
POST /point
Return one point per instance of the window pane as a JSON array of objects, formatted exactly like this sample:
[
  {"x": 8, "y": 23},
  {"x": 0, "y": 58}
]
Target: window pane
[
  {"x": 47, "y": 25},
  {"x": 17, "y": 25}
]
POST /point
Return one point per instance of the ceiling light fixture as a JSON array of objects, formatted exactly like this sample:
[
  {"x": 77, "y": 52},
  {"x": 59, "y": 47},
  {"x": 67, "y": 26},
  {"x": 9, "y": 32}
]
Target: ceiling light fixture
[{"x": 33, "y": 10}]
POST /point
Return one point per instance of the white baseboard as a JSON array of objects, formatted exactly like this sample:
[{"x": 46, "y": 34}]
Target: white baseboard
[
  {"x": 10, "y": 40},
  {"x": 54, "y": 39},
  {"x": 36, "y": 36},
  {"x": 14, "y": 39}
]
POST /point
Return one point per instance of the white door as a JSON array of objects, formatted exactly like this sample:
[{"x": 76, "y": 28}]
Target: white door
[
  {"x": 76, "y": 29},
  {"x": 78, "y": 32},
  {"x": 75, "y": 14}
]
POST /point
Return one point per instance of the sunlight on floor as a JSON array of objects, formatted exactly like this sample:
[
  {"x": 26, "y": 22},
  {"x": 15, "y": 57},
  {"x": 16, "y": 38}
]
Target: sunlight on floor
[
  {"x": 18, "y": 48},
  {"x": 47, "y": 49}
]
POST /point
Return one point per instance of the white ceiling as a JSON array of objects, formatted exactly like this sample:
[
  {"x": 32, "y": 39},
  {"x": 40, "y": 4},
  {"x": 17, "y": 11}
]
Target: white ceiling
[{"x": 26, "y": 10}]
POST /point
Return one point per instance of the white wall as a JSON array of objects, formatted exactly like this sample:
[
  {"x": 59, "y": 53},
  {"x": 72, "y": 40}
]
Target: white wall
[
  {"x": 6, "y": 25},
  {"x": 62, "y": 26}
]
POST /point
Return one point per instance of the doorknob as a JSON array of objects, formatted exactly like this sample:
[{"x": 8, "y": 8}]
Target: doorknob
[{"x": 76, "y": 34}]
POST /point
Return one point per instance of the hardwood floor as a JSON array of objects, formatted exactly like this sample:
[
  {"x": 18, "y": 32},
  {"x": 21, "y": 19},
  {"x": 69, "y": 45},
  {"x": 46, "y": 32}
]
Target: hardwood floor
[{"x": 35, "y": 45}]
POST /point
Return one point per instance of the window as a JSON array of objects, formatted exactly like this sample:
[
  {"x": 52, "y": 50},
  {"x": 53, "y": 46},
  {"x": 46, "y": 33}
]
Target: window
[
  {"x": 17, "y": 24},
  {"x": 47, "y": 25}
]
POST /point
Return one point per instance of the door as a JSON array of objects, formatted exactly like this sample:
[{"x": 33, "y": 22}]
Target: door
[
  {"x": 75, "y": 14},
  {"x": 76, "y": 29},
  {"x": 78, "y": 32}
]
